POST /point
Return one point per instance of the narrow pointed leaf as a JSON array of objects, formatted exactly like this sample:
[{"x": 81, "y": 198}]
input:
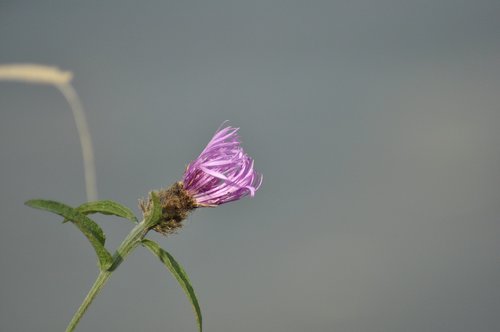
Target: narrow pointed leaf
[
  {"x": 155, "y": 211},
  {"x": 88, "y": 227},
  {"x": 179, "y": 274},
  {"x": 107, "y": 207}
]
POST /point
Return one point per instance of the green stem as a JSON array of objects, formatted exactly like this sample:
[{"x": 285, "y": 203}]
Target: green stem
[{"x": 129, "y": 244}]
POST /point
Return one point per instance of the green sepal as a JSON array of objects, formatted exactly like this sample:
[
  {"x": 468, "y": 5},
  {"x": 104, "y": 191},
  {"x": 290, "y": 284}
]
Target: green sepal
[
  {"x": 88, "y": 227},
  {"x": 179, "y": 274},
  {"x": 107, "y": 207},
  {"x": 152, "y": 217}
]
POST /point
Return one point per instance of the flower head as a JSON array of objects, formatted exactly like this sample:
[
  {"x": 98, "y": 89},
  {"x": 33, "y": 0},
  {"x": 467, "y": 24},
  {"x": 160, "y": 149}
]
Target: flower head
[{"x": 223, "y": 172}]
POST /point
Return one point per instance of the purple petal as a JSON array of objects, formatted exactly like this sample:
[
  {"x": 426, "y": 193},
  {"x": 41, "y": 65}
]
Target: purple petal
[{"x": 223, "y": 172}]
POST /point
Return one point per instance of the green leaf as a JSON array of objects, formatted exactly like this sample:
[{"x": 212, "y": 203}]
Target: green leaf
[
  {"x": 107, "y": 207},
  {"x": 155, "y": 211},
  {"x": 178, "y": 273},
  {"x": 87, "y": 226}
]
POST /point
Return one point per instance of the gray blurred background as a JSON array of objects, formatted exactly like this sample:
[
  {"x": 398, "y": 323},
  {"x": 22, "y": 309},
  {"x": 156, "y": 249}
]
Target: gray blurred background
[{"x": 375, "y": 124}]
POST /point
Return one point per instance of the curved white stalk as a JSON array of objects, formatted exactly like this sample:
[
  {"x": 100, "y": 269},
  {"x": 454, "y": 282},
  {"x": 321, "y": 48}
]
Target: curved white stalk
[{"x": 40, "y": 74}]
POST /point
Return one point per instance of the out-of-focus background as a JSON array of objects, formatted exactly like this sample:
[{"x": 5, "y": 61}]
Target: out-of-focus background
[{"x": 375, "y": 123}]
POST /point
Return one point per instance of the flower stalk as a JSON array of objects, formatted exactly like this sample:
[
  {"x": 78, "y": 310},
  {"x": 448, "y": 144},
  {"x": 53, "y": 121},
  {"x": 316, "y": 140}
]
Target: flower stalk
[{"x": 132, "y": 240}]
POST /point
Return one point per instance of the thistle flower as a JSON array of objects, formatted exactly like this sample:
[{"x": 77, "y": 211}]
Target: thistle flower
[{"x": 222, "y": 173}]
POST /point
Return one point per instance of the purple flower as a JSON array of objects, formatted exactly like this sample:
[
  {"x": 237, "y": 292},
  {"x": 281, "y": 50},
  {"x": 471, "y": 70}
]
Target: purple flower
[{"x": 223, "y": 172}]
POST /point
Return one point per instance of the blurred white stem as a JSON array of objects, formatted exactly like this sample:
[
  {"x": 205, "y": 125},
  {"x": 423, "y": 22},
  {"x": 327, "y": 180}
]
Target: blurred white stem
[
  {"x": 85, "y": 140},
  {"x": 41, "y": 74}
]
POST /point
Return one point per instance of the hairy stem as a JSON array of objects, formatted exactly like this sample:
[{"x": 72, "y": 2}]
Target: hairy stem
[{"x": 129, "y": 244}]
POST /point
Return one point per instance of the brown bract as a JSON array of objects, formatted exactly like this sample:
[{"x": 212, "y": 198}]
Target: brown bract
[{"x": 176, "y": 203}]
